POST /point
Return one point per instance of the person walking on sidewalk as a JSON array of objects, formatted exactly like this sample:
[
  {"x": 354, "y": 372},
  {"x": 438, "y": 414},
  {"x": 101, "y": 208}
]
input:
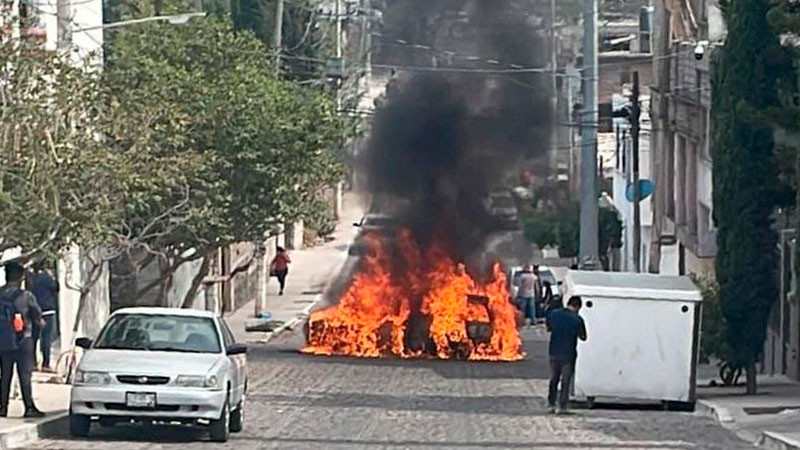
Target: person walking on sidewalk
[
  {"x": 45, "y": 289},
  {"x": 18, "y": 312},
  {"x": 280, "y": 267},
  {"x": 566, "y": 327}
]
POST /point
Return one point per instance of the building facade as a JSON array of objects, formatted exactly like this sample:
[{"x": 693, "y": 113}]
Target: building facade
[
  {"x": 684, "y": 237},
  {"x": 622, "y": 180},
  {"x": 684, "y": 233}
]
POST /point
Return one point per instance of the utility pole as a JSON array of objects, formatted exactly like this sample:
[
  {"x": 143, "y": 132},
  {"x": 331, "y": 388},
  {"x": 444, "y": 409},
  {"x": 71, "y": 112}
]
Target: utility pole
[
  {"x": 589, "y": 235},
  {"x": 278, "y": 44},
  {"x": 637, "y": 220},
  {"x": 64, "y": 24},
  {"x": 662, "y": 142},
  {"x": 554, "y": 128},
  {"x": 339, "y": 54}
]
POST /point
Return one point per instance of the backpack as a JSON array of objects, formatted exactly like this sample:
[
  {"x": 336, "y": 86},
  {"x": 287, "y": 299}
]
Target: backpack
[{"x": 9, "y": 336}]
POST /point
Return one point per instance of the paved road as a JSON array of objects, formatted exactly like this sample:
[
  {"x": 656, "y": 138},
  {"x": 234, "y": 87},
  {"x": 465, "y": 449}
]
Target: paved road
[{"x": 305, "y": 402}]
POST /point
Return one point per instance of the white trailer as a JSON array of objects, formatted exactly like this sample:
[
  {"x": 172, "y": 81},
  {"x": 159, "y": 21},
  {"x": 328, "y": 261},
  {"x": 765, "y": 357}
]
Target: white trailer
[{"x": 643, "y": 334}]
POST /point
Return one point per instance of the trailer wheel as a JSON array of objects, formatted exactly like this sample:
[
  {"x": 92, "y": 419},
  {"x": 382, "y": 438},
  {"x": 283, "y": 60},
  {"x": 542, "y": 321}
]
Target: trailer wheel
[{"x": 590, "y": 402}]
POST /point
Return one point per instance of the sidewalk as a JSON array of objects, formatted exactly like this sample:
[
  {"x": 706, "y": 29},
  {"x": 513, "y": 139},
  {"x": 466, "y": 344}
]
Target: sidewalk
[
  {"x": 770, "y": 419},
  {"x": 312, "y": 271},
  {"x": 51, "y": 398}
]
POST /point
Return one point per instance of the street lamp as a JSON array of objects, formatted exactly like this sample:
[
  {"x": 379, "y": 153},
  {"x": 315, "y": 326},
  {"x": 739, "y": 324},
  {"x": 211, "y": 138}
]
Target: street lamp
[{"x": 176, "y": 19}]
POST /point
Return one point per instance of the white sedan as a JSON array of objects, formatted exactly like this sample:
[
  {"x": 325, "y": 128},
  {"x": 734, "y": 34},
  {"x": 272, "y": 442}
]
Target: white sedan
[{"x": 161, "y": 365}]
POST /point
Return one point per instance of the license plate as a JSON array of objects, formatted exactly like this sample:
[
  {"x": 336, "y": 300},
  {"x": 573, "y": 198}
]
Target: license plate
[{"x": 140, "y": 400}]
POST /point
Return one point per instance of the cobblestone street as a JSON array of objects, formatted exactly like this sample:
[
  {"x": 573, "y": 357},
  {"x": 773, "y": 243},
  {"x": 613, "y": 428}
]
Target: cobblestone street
[{"x": 303, "y": 402}]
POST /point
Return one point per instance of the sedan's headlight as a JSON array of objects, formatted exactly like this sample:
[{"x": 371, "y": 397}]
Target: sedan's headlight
[
  {"x": 88, "y": 377},
  {"x": 196, "y": 381}
]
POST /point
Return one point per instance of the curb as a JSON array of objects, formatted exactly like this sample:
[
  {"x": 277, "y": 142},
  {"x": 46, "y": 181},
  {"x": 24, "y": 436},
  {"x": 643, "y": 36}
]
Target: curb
[
  {"x": 777, "y": 441},
  {"x": 26, "y": 433},
  {"x": 724, "y": 417},
  {"x": 767, "y": 439},
  {"x": 300, "y": 318},
  {"x": 716, "y": 412}
]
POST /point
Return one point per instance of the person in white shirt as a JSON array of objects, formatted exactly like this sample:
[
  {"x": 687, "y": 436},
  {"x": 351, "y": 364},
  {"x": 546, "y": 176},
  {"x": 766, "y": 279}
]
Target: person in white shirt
[{"x": 526, "y": 294}]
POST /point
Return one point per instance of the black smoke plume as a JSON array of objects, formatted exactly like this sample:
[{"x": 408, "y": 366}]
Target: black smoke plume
[{"x": 460, "y": 118}]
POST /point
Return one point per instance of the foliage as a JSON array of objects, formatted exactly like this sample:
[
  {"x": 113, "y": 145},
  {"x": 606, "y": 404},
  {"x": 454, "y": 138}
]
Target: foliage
[
  {"x": 541, "y": 227},
  {"x": 784, "y": 16},
  {"x": 57, "y": 179},
  {"x": 320, "y": 217},
  {"x": 561, "y": 227},
  {"x": 302, "y": 37},
  {"x": 745, "y": 79},
  {"x": 713, "y": 343},
  {"x": 242, "y": 152}
]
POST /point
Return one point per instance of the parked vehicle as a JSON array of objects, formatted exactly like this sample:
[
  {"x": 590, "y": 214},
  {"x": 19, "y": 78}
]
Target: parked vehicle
[
  {"x": 545, "y": 274},
  {"x": 161, "y": 365},
  {"x": 500, "y": 205},
  {"x": 383, "y": 226}
]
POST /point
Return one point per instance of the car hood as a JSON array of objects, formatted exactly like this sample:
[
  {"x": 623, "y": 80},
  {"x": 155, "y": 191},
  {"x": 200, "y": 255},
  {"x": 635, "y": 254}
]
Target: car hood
[
  {"x": 499, "y": 210},
  {"x": 137, "y": 362}
]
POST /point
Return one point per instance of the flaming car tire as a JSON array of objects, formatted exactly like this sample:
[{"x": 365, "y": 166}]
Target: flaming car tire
[{"x": 220, "y": 429}]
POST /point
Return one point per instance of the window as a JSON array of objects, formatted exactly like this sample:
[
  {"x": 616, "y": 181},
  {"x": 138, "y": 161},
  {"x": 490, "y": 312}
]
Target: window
[
  {"x": 156, "y": 332},
  {"x": 227, "y": 335}
]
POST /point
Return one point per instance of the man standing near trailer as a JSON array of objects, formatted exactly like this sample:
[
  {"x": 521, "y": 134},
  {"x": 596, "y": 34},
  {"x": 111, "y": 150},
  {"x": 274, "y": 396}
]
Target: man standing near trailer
[{"x": 565, "y": 327}]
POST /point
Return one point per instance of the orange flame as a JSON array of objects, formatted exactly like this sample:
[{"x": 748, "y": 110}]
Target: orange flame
[{"x": 373, "y": 317}]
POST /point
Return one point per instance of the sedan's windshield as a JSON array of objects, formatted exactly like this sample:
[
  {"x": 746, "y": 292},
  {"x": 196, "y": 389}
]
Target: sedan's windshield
[
  {"x": 168, "y": 333},
  {"x": 546, "y": 275},
  {"x": 378, "y": 222}
]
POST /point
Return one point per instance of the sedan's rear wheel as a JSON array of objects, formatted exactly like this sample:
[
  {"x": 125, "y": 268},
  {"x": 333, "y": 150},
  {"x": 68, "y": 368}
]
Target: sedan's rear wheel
[
  {"x": 79, "y": 425},
  {"x": 220, "y": 429}
]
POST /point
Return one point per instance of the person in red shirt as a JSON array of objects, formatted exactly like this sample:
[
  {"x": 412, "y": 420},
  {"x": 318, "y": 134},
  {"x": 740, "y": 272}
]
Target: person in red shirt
[{"x": 280, "y": 267}]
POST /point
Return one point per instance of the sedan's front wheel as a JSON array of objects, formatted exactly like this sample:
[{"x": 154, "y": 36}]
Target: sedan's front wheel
[
  {"x": 237, "y": 417},
  {"x": 79, "y": 425},
  {"x": 220, "y": 429}
]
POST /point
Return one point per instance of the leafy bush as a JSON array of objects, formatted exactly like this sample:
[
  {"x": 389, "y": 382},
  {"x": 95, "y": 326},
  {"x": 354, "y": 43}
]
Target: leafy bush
[
  {"x": 712, "y": 340},
  {"x": 561, "y": 227}
]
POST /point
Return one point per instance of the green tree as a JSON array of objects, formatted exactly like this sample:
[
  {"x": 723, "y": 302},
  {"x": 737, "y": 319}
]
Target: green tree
[
  {"x": 251, "y": 152},
  {"x": 304, "y": 41},
  {"x": 560, "y": 226},
  {"x": 745, "y": 81},
  {"x": 57, "y": 179}
]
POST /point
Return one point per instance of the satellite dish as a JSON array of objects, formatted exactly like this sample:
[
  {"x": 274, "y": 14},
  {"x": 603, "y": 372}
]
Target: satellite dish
[{"x": 646, "y": 188}]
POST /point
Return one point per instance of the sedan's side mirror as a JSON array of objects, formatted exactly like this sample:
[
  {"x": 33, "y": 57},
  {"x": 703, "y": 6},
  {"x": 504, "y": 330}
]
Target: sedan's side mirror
[
  {"x": 356, "y": 224},
  {"x": 237, "y": 349},
  {"x": 84, "y": 343}
]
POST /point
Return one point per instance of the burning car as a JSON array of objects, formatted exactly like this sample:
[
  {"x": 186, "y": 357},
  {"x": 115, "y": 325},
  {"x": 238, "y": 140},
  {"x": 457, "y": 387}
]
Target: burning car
[{"x": 426, "y": 305}]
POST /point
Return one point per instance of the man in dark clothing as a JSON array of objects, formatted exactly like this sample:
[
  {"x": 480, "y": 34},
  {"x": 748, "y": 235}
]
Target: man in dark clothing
[
  {"x": 45, "y": 289},
  {"x": 566, "y": 327},
  {"x": 24, "y": 303}
]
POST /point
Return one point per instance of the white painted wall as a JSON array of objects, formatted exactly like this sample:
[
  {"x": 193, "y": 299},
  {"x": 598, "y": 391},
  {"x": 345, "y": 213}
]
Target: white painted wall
[
  {"x": 74, "y": 272},
  {"x": 83, "y": 14},
  {"x": 716, "y": 24}
]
